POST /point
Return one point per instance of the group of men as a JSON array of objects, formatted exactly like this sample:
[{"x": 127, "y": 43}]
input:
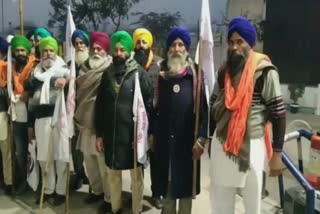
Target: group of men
[{"x": 245, "y": 99}]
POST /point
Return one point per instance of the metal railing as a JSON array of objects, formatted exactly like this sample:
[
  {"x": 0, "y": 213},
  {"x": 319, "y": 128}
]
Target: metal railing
[{"x": 298, "y": 173}]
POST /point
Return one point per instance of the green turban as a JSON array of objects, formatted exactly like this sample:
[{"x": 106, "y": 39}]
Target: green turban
[
  {"x": 21, "y": 41},
  {"x": 41, "y": 32},
  {"x": 124, "y": 39},
  {"x": 49, "y": 41}
]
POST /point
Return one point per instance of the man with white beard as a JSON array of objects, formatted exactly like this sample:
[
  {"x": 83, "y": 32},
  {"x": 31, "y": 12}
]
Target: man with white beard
[
  {"x": 48, "y": 78},
  {"x": 87, "y": 84},
  {"x": 174, "y": 122},
  {"x": 80, "y": 41}
]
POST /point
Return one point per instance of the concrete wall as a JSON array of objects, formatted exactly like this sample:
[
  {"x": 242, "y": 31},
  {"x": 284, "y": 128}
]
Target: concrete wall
[
  {"x": 255, "y": 11},
  {"x": 311, "y": 96}
]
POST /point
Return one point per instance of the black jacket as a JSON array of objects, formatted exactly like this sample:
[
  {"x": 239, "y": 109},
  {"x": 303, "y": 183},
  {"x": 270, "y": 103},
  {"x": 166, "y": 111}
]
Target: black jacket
[{"x": 114, "y": 115}]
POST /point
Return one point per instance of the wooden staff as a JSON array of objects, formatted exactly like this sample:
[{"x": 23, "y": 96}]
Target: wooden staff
[
  {"x": 45, "y": 173},
  {"x": 135, "y": 151},
  {"x": 12, "y": 147},
  {"x": 198, "y": 94},
  {"x": 67, "y": 190},
  {"x": 21, "y": 16}
]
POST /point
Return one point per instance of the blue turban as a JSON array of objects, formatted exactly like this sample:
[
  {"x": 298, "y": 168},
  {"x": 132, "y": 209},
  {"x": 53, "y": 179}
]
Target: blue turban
[
  {"x": 3, "y": 45},
  {"x": 244, "y": 28},
  {"x": 81, "y": 35},
  {"x": 181, "y": 33}
]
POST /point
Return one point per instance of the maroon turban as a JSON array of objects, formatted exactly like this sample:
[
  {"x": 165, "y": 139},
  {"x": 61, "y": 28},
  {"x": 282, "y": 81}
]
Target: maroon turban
[{"x": 101, "y": 39}]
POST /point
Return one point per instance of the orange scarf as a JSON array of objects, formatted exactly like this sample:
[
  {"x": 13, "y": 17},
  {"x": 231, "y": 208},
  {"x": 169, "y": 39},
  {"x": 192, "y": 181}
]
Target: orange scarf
[
  {"x": 19, "y": 80},
  {"x": 239, "y": 102},
  {"x": 3, "y": 70}
]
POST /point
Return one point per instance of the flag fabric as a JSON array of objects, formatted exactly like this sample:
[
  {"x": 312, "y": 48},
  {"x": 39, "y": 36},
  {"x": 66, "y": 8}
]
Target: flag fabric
[
  {"x": 207, "y": 49},
  {"x": 13, "y": 99},
  {"x": 59, "y": 126},
  {"x": 70, "y": 57},
  {"x": 141, "y": 119}
]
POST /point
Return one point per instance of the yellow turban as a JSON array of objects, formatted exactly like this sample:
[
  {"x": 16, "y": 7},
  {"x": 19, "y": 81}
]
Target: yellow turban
[{"x": 143, "y": 34}]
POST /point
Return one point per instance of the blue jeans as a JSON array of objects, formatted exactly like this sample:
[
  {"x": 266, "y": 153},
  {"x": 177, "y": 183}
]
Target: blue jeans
[{"x": 20, "y": 138}]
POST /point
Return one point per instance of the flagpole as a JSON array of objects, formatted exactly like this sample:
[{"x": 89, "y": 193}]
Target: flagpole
[
  {"x": 21, "y": 16},
  {"x": 195, "y": 162}
]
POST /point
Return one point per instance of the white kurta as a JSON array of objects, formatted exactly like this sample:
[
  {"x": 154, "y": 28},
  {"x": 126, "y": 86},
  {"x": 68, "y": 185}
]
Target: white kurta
[{"x": 225, "y": 172}]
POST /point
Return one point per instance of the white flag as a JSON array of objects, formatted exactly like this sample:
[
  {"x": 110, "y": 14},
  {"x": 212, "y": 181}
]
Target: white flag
[
  {"x": 12, "y": 97},
  {"x": 70, "y": 56},
  {"x": 207, "y": 49},
  {"x": 141, "y": 119},
  {"x": 59, "y": 124},
  {"x": 9, "y": 72},
  {"x": 69, "y": 31}
]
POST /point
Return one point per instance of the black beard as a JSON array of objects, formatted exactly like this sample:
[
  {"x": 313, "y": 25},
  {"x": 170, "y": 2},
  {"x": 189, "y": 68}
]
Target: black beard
[
  {"x": 37, "y": 52},
  {"x": 235, "y": 63},
  {"x": 141, "y": 56},
  {"x": 118, "y": 60},
  {"x": 21, "y": 60},
  {"x": 120, "y": 67}
]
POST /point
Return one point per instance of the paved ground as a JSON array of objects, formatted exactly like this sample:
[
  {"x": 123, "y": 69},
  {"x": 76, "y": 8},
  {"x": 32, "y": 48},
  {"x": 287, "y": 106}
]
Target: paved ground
[{"x": 26, "y": 203}]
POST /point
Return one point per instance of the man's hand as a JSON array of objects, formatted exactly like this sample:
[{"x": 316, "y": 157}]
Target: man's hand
[
  {"x": 24, "y": 96},
  {"x": 100, "y": 144},
  {"x": 276, "y": 165},
  {"x": 151, "y": 142},
  {"x": 60, "y": 83},
  {"x": 197, "y": 151}
]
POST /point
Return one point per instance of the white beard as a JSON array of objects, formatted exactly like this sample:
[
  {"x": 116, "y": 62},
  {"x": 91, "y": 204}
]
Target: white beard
[
  {"x": 47, "y": 63},
  {"x": 176, "y": 63},
  {"x": 96, "y": 62},
  {"x": 81, "y": 56}
]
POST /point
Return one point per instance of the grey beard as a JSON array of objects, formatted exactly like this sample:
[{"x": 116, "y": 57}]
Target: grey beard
[
  {"x": 47, "y": 63},
  {"x": 81, "y": 56},
  {"x": 176, "y": 63},
  {"x": 96, "y": 62}
]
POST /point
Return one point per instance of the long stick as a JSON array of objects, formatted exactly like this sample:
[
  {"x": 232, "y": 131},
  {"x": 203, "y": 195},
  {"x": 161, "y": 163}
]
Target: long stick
[
  {"x": 195, "y": 166},
  {"x": 13, "y": 156},
  {"x": 45, "y": 173},
  {"x": 68, "y": 189},
  {"x": 21, "y": 16},
  {"x": 135, "y": 153}
]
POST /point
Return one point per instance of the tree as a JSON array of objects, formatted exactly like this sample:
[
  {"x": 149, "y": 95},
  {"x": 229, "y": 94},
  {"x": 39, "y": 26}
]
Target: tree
[
  {"x": 89, "y": 15},
  {"x": 158, "y": 24}
]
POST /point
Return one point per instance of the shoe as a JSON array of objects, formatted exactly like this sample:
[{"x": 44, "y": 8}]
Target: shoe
[
  {"x": 59, "y": 200},
  {"x": 92, "y": 198},
  {"x": 8, "y": 190},
  {"x": 265, "y": 193},
  {"x": 85, "y": 180},
  {"x": 45, "y": 198},
  {"x": 75, "y": 182},
  {"x": 157, "y": 203},
  {"x": 104, "y": 207}
]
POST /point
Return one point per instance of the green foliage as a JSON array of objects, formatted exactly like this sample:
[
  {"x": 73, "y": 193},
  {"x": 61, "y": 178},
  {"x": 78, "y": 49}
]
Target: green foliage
[
  {"x": 296, "y": 91},
  {"x": 89, "y": 15},
  {"x": 158, "y": 24}
]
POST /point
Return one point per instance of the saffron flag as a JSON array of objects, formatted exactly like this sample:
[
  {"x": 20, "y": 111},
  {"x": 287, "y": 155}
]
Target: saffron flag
[{"x": 140, "y": 118}]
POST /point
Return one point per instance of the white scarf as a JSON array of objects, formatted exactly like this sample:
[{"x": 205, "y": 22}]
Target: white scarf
[{"x": 59, "y": 69}]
